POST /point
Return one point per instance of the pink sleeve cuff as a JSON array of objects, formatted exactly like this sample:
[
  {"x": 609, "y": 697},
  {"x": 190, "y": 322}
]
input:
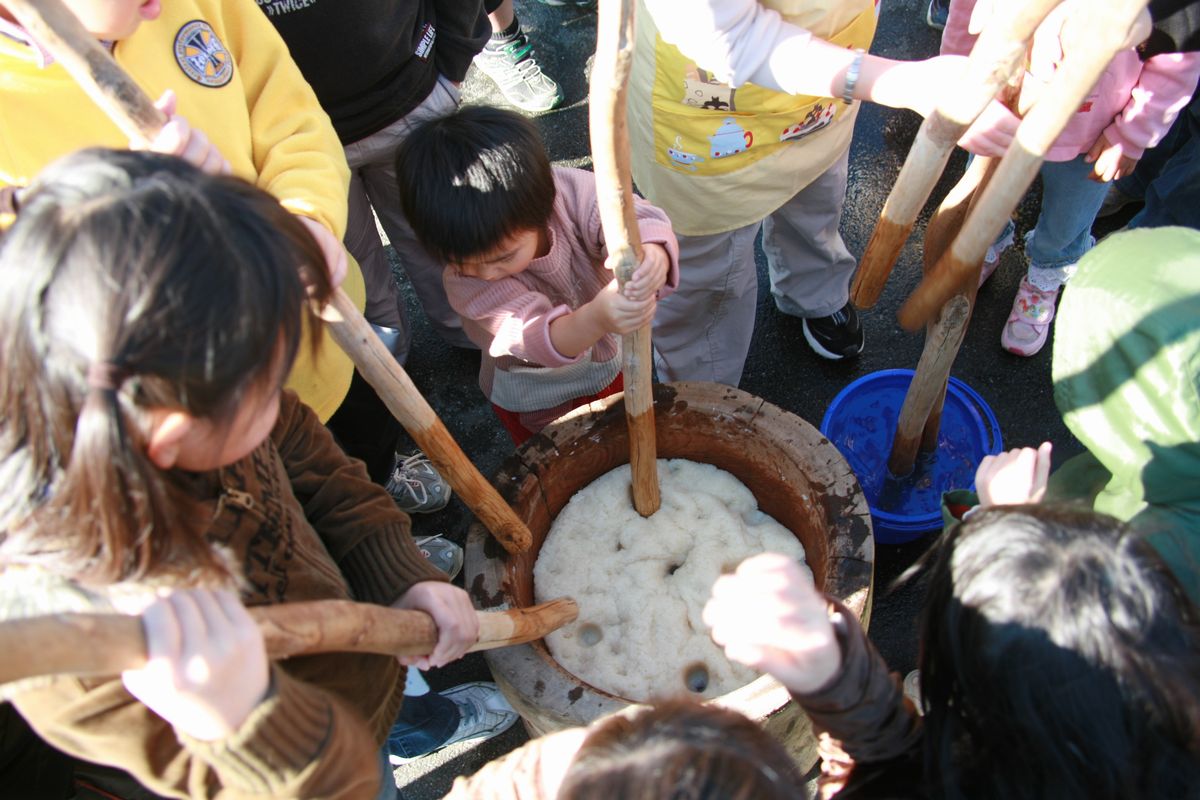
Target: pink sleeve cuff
[
  {"x": 1163, "y": 89},
  {"x": 539, "y": 348},
  {"x": 655, "y": 231}
]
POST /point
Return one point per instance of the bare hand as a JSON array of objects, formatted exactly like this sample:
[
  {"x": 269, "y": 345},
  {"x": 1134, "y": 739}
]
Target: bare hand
[
  {"x": 1108, "y": 160},
  {"x": 918, "y": 84},
  {"x": 769, "y": 616},
  {"x": 178, "y": 138},
  {"x": 992, "y": 132},
  {"x": 207, "y": 667},
  {"x": 334, "y": 250},
  {"x": 452, "y": 612},
  {"x": 650, "y": 275},
  {"x": 1012, "y": 478},
  {"x": 618, "y": 314}
]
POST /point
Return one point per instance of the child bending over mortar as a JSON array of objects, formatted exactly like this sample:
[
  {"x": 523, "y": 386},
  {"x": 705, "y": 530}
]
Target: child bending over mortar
[{"x": 524, "y": 257}]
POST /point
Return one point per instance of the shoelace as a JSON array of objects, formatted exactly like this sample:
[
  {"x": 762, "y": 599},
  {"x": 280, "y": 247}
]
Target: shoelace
[
  {"x": 472, "y": 713},
  {"x": 403, "y": 475},
  {"x": 519, "y": 49},
  {"x": 520, "y": 52}
]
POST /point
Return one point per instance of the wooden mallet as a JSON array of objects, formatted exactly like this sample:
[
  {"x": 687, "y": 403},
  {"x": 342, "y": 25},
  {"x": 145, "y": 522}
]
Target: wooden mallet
[
  {"x": 1106, "y": 29},
  {"x": 128, "y": 106},
  {"x": 614, "y": 188},
  {"x": 997, "y": 58},
  {"x": 105, "y": 644}
]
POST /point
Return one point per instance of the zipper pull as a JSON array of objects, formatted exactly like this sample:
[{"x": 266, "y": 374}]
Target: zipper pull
[{"x": 238, "y": 498}]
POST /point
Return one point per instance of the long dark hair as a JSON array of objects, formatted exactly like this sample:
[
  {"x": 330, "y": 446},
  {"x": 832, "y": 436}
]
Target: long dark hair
[
  {"x": 132, "y": 281},
  {"x": 1060, "y": 658},
  {"x": 682, "y": 749}
]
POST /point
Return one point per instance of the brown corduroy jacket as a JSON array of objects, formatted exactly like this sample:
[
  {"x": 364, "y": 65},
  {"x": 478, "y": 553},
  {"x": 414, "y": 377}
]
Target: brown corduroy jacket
[{"x": 304, "y": 522}]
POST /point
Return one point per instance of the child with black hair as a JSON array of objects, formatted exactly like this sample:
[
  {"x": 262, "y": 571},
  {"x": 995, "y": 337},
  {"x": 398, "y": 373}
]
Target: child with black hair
[
  {"x": 525, "y": 262},
  {"x": 152, "y": 460},
  {"x": 1058, "y": 659}
]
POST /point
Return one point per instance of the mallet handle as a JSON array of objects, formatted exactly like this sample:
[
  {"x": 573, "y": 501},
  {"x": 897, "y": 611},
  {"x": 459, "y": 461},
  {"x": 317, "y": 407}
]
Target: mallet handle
[
  {"x": 614, "y": 188},
  {"x": 105, "y": 644},
  {"x": 997, "y": 58},
  {"x": 1106, "y": 32}
]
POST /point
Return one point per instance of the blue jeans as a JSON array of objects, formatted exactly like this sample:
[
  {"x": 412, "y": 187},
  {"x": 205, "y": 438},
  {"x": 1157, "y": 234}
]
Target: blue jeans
[
  {"x": 1064, "y": 227},
  {"x": 426, "y": 721},
  {"x": 1063, "y": 232}
]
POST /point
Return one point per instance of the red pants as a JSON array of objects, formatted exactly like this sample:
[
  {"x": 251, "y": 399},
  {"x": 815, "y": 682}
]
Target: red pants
[{"x": 519, "y": 433}]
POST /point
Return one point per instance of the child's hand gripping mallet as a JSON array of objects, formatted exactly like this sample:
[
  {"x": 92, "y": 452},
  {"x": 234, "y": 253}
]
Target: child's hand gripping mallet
[
  {"x": 997, "y": 58},
  {"x": 614, "y": 188},
  {"x": 106, "y": 644},
  {"x": 128, "y": 106}
]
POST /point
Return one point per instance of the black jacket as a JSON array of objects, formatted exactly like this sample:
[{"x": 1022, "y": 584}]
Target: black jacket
[{"x": 373, "y": 61}]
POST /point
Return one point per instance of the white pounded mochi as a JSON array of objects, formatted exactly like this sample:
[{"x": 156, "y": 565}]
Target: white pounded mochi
[{"x": 641, "y": 584}]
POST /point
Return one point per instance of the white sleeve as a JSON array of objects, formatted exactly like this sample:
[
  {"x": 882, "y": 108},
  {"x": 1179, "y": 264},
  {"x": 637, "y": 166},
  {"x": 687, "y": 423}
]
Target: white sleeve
[{"x": 738, "y": 41}]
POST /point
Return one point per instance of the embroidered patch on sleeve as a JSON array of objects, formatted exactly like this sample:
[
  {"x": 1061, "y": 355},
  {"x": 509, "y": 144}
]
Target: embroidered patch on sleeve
[{"x": 202, "y": 56}]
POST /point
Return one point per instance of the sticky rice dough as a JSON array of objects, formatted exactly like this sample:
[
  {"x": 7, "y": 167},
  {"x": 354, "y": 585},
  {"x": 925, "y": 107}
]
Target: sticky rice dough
[{"x": 641, "y": 584}]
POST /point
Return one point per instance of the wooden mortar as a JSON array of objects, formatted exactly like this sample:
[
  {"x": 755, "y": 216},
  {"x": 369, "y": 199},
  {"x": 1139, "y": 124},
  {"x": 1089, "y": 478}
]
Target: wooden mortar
[{"x": 796, "y": 475}]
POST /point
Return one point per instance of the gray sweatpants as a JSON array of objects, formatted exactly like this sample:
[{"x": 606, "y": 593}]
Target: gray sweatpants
[
  {"x": 373, "y": 185},
  {"x": 702, "y": 331}
]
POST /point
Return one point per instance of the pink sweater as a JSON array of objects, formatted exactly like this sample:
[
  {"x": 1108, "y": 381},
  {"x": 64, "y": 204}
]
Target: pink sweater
[
  {"x": 510, "y": 318},
  {"x": 1132, "y": 105}
]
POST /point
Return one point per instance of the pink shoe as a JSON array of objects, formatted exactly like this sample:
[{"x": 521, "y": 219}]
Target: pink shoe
[
  {"x": 991, "y": 259},
  {"x": 1029, "y": 323}
]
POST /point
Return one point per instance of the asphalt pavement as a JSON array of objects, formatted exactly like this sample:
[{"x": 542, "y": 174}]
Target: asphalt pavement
[{"x": 781, "y": 367}]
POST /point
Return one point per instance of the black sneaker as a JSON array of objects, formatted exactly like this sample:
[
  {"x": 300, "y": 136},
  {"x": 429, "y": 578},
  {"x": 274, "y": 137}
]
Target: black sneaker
[
  {"x": 513, "y": 68},
  {"x": 937, "y": 14},
  {"x": 838, "y": 336}
]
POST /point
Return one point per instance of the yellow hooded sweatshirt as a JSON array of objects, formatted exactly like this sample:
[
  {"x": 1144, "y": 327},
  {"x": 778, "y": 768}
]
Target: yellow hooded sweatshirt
[{"x": 235, "y": 82}]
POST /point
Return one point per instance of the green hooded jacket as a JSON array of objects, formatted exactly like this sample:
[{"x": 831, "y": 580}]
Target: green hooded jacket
[{"x": 1127, "y": 380}]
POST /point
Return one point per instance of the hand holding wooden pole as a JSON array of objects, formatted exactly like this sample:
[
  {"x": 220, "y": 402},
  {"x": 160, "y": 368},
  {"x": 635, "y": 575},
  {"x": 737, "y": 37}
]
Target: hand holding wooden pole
[
  {"x": 614, "y": 188},
  {"x": 94, "y": 69},
  {"x": 106, "y": 644},
  {"x": 997, "y": 58}
]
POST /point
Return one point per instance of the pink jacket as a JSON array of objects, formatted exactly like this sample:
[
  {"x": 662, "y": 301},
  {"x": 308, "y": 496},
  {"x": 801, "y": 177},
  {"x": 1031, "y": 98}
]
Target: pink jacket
[{"x": 1132, "y": 105}]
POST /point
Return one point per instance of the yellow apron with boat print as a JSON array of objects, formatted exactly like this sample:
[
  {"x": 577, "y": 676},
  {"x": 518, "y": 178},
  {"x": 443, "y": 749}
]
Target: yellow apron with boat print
[{"x": 717, "y": 158}]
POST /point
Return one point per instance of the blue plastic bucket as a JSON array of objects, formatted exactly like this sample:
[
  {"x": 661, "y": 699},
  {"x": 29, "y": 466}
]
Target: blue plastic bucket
[{"x": 861, "y": 422}]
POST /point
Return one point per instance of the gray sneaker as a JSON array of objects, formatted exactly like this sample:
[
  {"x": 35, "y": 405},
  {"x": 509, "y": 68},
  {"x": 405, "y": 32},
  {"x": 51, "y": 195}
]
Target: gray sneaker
[
  {"x": 416, "y": 486},
  {"x": 482, "y": 713},
  {"x": 515, "y": 70},
  {"x": 442, "y": 553}
]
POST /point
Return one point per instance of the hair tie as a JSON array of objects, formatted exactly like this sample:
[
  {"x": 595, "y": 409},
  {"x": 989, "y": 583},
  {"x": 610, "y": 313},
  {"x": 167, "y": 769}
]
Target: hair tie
[{"x": 106, "y": 376}]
